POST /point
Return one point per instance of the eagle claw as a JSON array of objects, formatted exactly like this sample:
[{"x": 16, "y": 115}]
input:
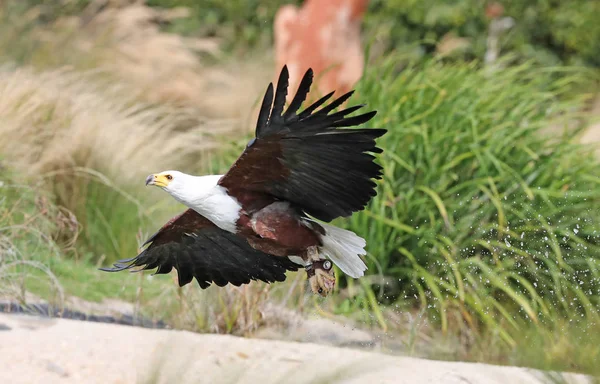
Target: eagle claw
[{"x": 321, "y": 277}]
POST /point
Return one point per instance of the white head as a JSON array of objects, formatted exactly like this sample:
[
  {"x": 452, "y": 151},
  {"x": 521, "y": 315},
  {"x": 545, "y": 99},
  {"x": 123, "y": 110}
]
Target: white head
[
  {"x": 168, "y": 180},
  {"x": 177, "y": 184},
  {"x": 183, "y": 187},
  {"x": 201, "y": 193}
]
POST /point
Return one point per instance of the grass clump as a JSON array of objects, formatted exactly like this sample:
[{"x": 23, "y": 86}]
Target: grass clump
[
  {"x": 36, "y": 237},
  {"x": 94, "y": 146},
  {"x": 482, "y": 216},
  {"x": 29, "y": 224}
]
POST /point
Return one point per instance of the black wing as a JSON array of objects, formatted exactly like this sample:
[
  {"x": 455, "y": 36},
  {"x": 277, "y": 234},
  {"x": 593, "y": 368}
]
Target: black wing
[
  {"x": 197, "y": 248},
  {"x": 310, "y": 159}
]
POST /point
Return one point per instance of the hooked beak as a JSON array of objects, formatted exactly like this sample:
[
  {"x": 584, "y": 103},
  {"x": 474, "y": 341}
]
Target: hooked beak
[
  {"x": 150, "y": 180},
  {"x": 160, "y": 180}
]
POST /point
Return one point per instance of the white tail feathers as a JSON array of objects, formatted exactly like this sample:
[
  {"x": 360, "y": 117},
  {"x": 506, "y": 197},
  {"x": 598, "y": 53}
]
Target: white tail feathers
[{"x": 344, "y": 248}]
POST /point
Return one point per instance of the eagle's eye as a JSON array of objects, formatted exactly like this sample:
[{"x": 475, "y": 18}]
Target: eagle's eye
[{"x": 169, "y": 177}]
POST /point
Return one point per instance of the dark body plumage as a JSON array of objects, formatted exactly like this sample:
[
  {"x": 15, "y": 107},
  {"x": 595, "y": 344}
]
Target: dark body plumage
[
  {"x": 197, "y": 248},
  {"x": 298, "y": 166}
]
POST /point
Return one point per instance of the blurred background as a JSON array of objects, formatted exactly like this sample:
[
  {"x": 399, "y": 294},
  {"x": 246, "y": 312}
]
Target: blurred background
[{"x": 483, "y": 240}]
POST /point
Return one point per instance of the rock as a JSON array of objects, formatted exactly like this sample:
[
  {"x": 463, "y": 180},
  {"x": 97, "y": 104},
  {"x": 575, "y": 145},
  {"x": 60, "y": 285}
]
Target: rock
[
  {"x": 284, "y": 324},
  {"x": 108, "y": 353},
  {"x": 323, "y": 35},
  {"x": 52, "y": 367},
  {"x": 111, "y": 311}
]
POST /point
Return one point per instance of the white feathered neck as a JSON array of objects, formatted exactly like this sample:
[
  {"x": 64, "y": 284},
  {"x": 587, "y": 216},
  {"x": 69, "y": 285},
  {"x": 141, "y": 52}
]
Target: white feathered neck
[{"x": 205, "y": 196}]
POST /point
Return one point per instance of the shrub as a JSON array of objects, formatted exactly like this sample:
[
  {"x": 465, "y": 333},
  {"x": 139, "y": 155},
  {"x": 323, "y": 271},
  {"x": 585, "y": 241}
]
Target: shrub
[
  {"x": 550, "y": 32},
  {"x": 480, "y": 210}
]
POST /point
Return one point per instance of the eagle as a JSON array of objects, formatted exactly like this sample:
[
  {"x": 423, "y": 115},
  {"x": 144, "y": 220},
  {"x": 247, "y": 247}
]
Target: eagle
[{"x": 270, "y": 212}]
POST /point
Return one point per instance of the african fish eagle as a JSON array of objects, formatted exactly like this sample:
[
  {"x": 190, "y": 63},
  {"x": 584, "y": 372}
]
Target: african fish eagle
[{"x": 268, "y": 213}]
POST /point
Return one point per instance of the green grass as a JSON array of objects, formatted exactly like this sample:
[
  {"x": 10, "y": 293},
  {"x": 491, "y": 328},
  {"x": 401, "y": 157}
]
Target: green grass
[
  {"x": 26, "y": 222},
  {"x": 563, "y": 346},
  {"x": 36, "y": 236},
  {"x": 114, "y": 221},
  {"x": 483, "y": 217}
]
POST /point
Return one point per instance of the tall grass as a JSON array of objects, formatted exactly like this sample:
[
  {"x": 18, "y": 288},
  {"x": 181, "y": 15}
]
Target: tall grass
[
  {"x": 481, "y": 213},
  {"x": 94, "y": 143},
  {"x": 127, "y": 43},
  {"x": 28, "y": 224}
]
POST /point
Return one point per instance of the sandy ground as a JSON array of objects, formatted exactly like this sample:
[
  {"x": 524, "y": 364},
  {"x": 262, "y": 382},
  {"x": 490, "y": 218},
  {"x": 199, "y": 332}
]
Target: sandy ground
[{"x": 43, "y": 350}]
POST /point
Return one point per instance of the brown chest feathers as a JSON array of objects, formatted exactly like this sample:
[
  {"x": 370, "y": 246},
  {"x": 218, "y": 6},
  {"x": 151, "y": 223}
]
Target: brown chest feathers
[{"x": 278, "y": 230}]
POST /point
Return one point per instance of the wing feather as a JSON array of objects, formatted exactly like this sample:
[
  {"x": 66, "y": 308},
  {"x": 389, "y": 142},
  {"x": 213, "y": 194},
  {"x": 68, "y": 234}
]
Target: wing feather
[
  {"x": 304, "y": 114},
  {"x": 311, "y": 159},
  {"x": 280, "y": 96},
  {"x": 198, "y": 249},
  {"x": 301, "y": 94},
  {"x": 264, "y": 114}
]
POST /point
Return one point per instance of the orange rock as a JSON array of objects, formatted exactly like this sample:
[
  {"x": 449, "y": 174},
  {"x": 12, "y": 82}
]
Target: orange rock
[
  {"x": 323, "y": 35},
  {"x": 494, "y": 10}
]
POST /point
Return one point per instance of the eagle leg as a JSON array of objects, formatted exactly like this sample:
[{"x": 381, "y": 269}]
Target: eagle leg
[{"x": 321, "y": 276}]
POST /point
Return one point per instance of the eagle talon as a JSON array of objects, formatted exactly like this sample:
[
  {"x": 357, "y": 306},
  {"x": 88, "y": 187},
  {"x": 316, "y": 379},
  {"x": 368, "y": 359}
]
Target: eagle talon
[{"x": 321, "y": 277}]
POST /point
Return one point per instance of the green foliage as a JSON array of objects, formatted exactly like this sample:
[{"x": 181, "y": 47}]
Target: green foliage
[
  {"x": 35, "y": 237},
  {"x": 562, "y": 347},
  {"x": 49, "y": 10},
  {"x": 26, "y": 39},
  {"x": 110, "y": 216},
  {"x": 27, "y": 225},
  {"x": 480, "y": 212},
  {"x": 547, "y": 31},
  {"x": 242, "y": 24}
]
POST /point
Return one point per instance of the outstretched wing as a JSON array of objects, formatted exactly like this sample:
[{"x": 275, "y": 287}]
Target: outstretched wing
[
  {"x": 310, "y": 159},
  {"x": 197, "y": 248}
]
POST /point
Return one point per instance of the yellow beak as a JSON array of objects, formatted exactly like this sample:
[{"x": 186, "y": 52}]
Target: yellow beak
[{"x": 158, "y": 180}]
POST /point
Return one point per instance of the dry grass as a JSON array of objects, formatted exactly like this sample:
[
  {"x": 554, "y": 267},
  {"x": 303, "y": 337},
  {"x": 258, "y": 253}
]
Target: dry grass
[
  {"x": 95, "y": 143},
  {"x": 28, "y": 224},
  {"x": 107, "y": 99},
  {"x": 61, "y": 119},
  {"x": 127, "y": 43},
  {"x": 229, "y": 310},
  {"x": 167, "y": 66}
]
